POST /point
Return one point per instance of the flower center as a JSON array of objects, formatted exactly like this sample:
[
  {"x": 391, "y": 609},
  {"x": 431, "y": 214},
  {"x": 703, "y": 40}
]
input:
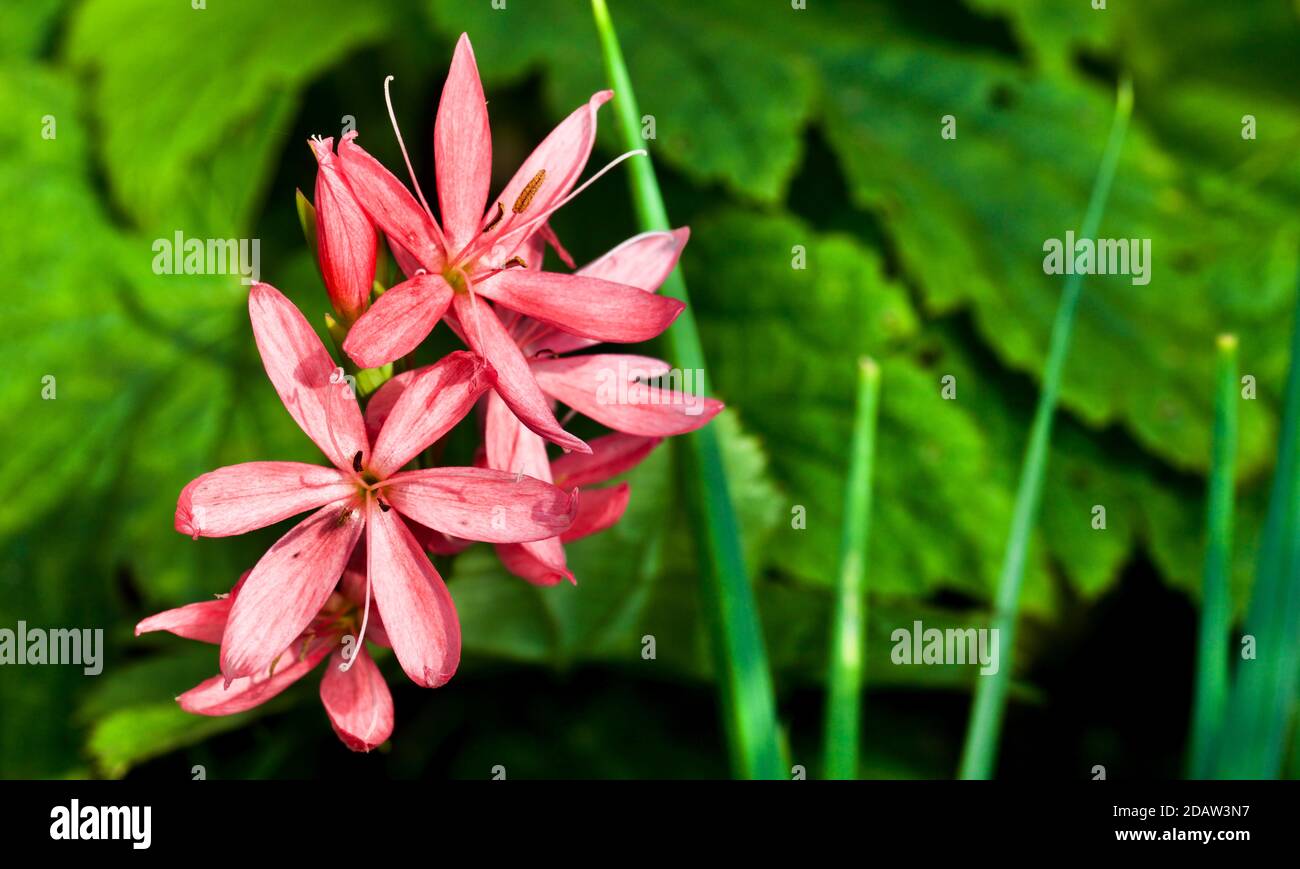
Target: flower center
[{"x": 457, "y": 278}]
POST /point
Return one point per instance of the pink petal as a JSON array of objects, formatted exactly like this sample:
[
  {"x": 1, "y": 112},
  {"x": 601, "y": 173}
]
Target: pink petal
[
  {"x": 462, "y": 148},
  {"x": 204, "y": 621},
  {"x": 515, "y": 383},
  {"x": 219, "y": 696},
  {"x": 589, "y": 307},
  {"x": 540, "y": 563},
  {"x": 605, "y": 388},
  {"x": 345, "y": 239},
  {"x": 353, "y": 587},
  {"x": 301, "y": 371},
  {"x": 429, "y": 405},
  {"x": 511, "y": 447},
  {"x": 382, "y": 401},
  {"x": 398, "y": 321},
  {"x": 562, "y": 156},
  {"x": 597, "y": 510},
  {"x": 357, "y": 701},
  {"x": 643, "y": 261},
  {"x": 611, "y": 455},
  {"x": 240, "y": 498},
  {"x": 391, "y": 206},
  {"x": 418, "y": 611},
  {"x": 482, "y": 504},
  {"x": 288, "y": 587}
]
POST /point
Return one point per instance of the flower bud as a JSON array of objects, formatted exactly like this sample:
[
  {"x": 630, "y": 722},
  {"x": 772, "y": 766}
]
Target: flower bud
[{"x": 346, "y": 243}]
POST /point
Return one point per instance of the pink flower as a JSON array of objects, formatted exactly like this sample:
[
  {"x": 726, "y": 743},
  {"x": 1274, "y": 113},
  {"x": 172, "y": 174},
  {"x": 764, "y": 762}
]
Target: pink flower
[
  {"x": 355, "y": 696},
  {"x": 487, "y": 253},
  {"x": 606, "y": 386},
  {"x": 346, "y": 244},
  {"x": 364, "y": 492},
  {"x": 640, "y": 415}
]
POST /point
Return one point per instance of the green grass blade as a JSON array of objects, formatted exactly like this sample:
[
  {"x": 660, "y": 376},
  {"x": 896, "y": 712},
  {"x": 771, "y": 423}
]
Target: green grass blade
[
  {"x": 740, "y": 658},
  {"x": 1216, "y": 605},
  {"x": 980, "y": 751},
  {"x": 848, "y": 635},
  {"x": 1263, "y": 697}
]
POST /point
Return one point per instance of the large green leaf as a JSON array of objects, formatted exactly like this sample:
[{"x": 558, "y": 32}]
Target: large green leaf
[
  {"x": 773, "y": 355},
  {"x": 738, "y": 123},
  {"x": 195, "y": 103}
]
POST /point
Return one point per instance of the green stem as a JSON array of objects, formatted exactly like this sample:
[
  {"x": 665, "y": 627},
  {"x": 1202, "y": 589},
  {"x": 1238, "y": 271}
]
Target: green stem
[
  {"x": 740, "y": 659},
  {"x": 1264, "y": 691},
  {"x": 844, "y": 696},
  {"x": 980, "y": 752},
  {"x": 1216, "y": 604}
]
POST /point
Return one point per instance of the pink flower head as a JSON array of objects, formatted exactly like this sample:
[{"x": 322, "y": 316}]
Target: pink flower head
[
  {"x": 640, "y": 415},
  {"x": 353, "y": 691},
  {"x": 346, "y": 244},
  {"x": 485, "y": 252},
  {"x": 364, "y": 492}
]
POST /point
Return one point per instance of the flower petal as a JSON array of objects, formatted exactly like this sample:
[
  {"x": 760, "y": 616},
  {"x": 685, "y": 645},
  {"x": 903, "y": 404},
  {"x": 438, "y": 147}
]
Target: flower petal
[
  {"x": 643, "y": 261},
  {"x": 589, "y": 307},
  {"x": 222, "y": 696},
  {"x": 541, "y": 563},
  {"x": 611, "y": 455},
  {"x": 357, "y": 701},
  {"x": 346, "y": 243},
  {"x": 240, "y": 498},
  {"x": 597, "y": 510},
  {"x": 353, "y": 586},
  {"x": 306, "y": 377},
  {"x": 382, "y": 401},
  {"x": 606, "y": 388},
  {"x": 482, "y": 504},
  {"x": 462, "y": 148},
  {"x": 391, "y": 206},
  {"x": 429, "y": 405},
  {"x": 561, "y": 156},
  {"x": 515, "y": 383},
  {"x": 419, "y": 615},
  {"x": 511, "y": 447},
  {"x": 204, "y": 621},
  {"x": 287, "y": 588},
  {"x": 398, "y": 321}
]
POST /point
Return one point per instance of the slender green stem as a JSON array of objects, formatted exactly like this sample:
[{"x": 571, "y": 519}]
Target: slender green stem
[
  {"x": 980, "y": 752},
  {"x": 740, "y": 658},
  {"x": 1216, "y": 605},
  {"x": 1263, "y": 698},
  {"x": 848, "y": 634}
]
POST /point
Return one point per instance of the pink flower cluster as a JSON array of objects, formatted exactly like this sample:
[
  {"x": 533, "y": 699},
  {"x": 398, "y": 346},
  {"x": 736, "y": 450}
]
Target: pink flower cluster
[{"x": 356, "y": 571}]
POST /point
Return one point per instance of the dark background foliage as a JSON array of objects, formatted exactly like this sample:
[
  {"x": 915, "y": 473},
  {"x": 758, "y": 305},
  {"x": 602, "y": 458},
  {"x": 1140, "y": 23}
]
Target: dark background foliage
[{"x": 774, "y": 127}]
